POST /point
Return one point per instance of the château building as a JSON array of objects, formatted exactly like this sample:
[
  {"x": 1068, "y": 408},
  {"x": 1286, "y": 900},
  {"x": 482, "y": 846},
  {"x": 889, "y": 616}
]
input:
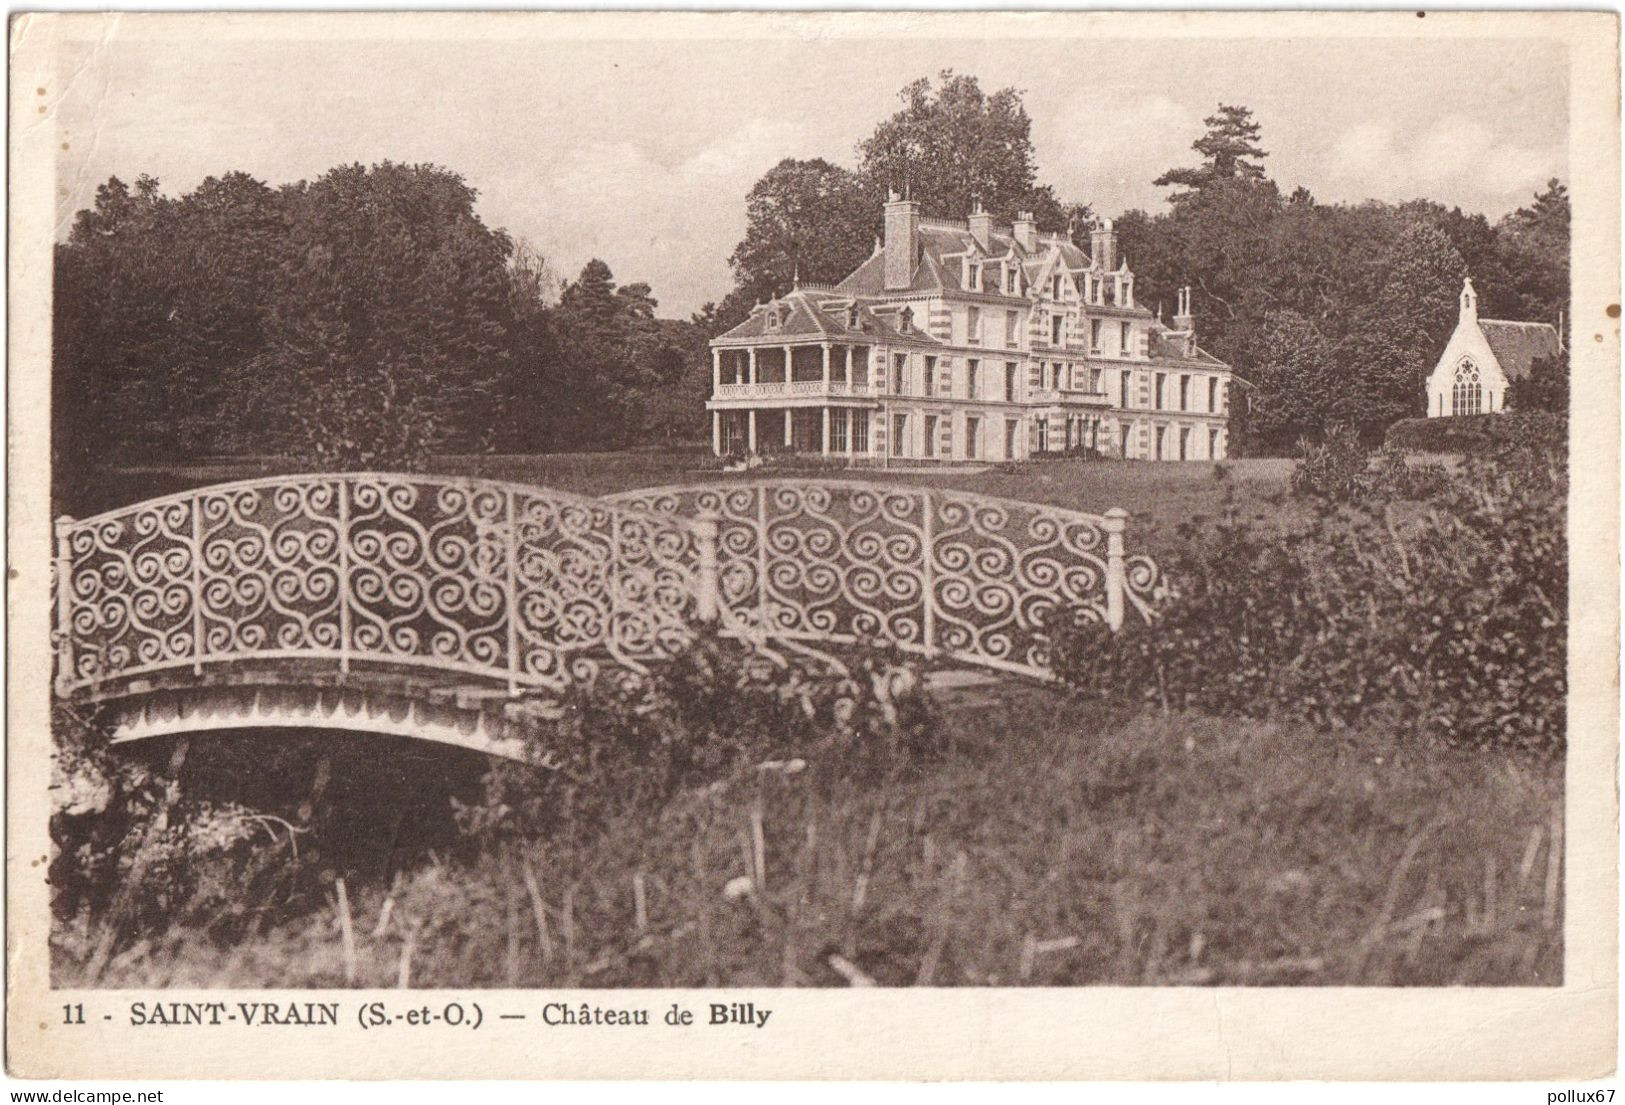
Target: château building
[{"x": 966, "y": 341}]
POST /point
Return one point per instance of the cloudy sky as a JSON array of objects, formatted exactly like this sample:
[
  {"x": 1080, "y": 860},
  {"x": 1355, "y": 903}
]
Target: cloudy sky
[{"x": 642, "y": 153}]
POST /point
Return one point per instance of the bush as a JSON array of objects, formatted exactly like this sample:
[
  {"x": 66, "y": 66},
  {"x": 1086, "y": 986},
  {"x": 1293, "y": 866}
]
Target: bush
[
  {"x": 1335, "y": 468},
  {"x": 1478, "y": 433},
  {"x": 1448, "y": 616},
  {"x": 628, "y": 742}
]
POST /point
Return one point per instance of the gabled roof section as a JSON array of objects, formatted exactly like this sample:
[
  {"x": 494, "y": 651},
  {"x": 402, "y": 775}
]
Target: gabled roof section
[{"x": 1517, "y": 345}]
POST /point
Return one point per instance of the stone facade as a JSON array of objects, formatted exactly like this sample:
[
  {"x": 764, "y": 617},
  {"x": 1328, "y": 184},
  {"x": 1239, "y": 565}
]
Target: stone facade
[{"x": 962, "y": 341}]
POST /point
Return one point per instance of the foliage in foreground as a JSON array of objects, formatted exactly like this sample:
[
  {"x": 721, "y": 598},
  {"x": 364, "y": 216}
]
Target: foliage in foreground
[
  {"x": 232, "y": 837},
  {"x": 1445, "y": 614},
  {"x": 1052, "y": 844}
]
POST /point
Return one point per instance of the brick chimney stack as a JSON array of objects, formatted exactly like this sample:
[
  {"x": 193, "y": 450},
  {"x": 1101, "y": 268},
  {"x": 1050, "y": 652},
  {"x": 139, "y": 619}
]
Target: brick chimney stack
[
  {"x": 1103, "y": 247},
  {"x": 1025, "y": 230},
  {"x": 902, "y": 240},
  {"x": 981, "y": 225}
]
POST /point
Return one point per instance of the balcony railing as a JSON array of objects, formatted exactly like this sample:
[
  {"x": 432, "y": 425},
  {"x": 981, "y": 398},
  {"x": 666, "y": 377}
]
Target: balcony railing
[{"x": 779, "y": 389}]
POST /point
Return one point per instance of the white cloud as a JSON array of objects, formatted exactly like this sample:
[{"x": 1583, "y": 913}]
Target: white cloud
[{"x": 1455, "y": 160}]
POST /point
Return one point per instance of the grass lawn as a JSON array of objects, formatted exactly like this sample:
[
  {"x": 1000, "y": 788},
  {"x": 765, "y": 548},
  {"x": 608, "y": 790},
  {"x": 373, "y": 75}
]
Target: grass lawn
[
  {"x": 1158, "y": 495},
  {"x": 1053, "y": 846}
]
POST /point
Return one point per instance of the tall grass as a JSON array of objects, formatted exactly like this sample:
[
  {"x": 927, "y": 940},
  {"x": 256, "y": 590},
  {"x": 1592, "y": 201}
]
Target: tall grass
[{"x": 1057, "y": 846}]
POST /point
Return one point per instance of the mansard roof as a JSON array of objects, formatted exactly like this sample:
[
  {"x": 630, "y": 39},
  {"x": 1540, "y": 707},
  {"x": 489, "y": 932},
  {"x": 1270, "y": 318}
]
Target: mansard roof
[
  {"x": 1171, "y": 345},
  {"x": 939, "y": 239},
  {"x": 1517, "y": 345},
  {"x": 820, "y": 315}
]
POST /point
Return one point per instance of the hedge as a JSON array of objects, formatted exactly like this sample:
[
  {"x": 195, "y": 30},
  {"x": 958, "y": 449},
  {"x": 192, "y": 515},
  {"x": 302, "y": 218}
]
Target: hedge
[{"x": 1475, "y": 433}]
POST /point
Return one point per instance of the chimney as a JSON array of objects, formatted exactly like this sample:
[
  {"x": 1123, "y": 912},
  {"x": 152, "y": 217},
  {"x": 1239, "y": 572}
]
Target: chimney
[
  {"x": 1469, "y": 301},
  {"x": 1026, "y": 231},
  {"x": 1184, "y": 321},
  {"x": 902, "y": 240},
  {"x": 1103, "y": 247},
  {"x": 981, "y": 225}
]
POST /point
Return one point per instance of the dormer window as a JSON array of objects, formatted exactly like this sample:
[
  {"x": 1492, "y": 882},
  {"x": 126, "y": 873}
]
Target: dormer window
[
  {"x": 775, "y": 317},
  {"x": 905, "y": 321}
]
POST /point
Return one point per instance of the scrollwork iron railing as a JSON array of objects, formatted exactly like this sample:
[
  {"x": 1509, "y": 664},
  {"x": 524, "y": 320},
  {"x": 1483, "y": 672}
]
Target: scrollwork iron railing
[
  {"x": 507, "y": 581},
  {"x": 936, "y": 571},
  {"x": 536, "y": 587}
]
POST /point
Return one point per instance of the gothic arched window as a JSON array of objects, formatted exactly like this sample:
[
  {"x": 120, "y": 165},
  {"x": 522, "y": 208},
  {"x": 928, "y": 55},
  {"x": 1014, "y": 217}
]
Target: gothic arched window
[{"x": 1468, "y": 394}]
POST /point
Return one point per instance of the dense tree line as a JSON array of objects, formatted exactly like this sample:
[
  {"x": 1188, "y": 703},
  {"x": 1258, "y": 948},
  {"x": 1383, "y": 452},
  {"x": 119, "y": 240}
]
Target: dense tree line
[
  {"x": 368, "y": 318},
  {"x": 1332, "y": 313}
]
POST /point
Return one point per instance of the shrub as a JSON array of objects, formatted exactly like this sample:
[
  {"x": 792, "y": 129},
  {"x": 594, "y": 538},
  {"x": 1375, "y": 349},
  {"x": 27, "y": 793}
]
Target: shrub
[
  {"x": 1478, "y": 433},
  {"x": 718, "y": 708},
  {"x": 1449, "y": 616},
  {"x": 1335, "y": 468}
]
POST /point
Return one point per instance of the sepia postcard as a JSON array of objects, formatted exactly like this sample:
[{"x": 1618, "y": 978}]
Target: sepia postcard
[{"x": 971, "y": 545}]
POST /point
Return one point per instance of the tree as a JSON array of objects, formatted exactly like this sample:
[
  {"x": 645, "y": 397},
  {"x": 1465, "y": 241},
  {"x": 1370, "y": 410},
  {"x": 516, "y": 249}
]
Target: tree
[
  {"x": 1230, "y": 152},
  {"x": 1294, "y": 386},
  {"x": 806, "y": 218},
  {"x": 390, "y": 319},
  {"x": 953, "y": 145},
  {"x": 1545, "y": 387}
]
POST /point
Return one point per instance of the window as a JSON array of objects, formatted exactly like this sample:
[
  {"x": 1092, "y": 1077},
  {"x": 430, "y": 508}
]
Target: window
[
  {"x": 1095, "y": 382},
  {"x": 972, "y": 370},
  {"x": 1043, "y": 434},
  {"x": 1010, "y": 381},
  {"x": 930, "y": 435},
  {"x": 973, "y": 433},
  {"x": 1055, "y": 287},
  {"x": 1162, "y": 442},
  {"x": 930, "y": 381},
  {"x": 1057, "y": 329},
  {"x": 1184, "y": 395},
  {"x": 1126, "y": 430},
  {"x": 899, "y": 435},
  {"x": 1162, "y": 380},
  {"x": 1468, "y": 394},
  {"x": 1184, "y": 443},
  {"x": 1094, "y": 335},
  {"x": 1213, "y": 445},
  {"x": 899, "y": 366},
  {"x": 837, "y": 430},
  {"x": 1012, "y": 320},
  {"x": 860, "y": 432},
  {"x": 1011, "y": 429},
  {"x": 1213, "y": 394},
  {"x": 905, "y": 320},
  {"x": 973, "y": 325},
  {"x": 1127, "y": 339}
]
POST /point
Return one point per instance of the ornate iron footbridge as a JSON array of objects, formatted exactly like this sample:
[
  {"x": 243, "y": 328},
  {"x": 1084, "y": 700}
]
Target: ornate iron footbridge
[{"x": 452, "y": 609}]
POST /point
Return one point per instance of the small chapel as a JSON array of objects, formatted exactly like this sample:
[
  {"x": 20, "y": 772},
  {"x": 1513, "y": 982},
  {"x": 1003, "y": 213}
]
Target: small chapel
[{"x": 1482, "y": 359}]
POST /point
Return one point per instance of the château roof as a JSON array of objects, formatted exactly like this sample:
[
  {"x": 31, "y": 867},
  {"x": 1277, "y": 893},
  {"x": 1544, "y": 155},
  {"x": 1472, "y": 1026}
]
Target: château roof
[
  {"x": 940, "y": 239},
  {"x": 1517, "y": 345},
  {"x": 815, "y": 314}
]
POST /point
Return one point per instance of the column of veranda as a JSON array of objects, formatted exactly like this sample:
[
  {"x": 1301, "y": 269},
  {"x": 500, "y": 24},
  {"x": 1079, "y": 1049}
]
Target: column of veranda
[
  {"x": 823, "y": 444},
  {"x": 750, "y": 430},
  {"x": 716, "y": 393}
]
